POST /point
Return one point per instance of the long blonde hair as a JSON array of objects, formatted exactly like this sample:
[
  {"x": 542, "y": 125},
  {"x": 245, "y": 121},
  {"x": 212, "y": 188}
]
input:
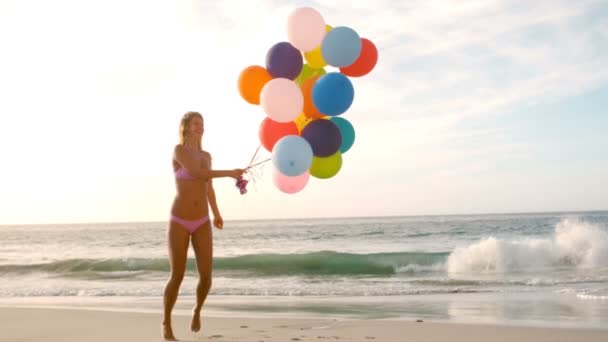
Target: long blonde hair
[{"x": 184, "y": 124}]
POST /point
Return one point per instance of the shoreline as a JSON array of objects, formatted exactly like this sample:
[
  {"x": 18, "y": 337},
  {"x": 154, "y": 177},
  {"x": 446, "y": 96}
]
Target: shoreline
[
  {"x": 429, "y": 309},
  {"x": 54, "y": 325}
]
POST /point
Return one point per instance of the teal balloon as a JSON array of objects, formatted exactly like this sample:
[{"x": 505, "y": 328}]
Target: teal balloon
[
  {"x": 347, "y": 130},
  {"x": 341, "y": 46},
  {"x": 292, "y": 155}
]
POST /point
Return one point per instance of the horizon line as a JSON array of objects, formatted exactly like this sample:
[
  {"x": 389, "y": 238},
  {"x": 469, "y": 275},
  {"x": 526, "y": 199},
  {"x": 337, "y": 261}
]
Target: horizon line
[{"x": 329, "y": 217}]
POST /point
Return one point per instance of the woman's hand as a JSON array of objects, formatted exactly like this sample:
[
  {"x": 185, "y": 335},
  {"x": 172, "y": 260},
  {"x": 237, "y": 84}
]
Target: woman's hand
[
  {"x": 218, "y": 222},
  {"x": 237, "y": 173}
]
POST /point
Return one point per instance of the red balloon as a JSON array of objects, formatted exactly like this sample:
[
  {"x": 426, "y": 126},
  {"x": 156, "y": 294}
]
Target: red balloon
[
  {"x": 271, "y": 131},
  {"x": 366, "y": 61}
]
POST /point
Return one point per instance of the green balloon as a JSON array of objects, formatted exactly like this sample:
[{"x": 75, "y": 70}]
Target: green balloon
[
  {"x": 326, "y": 167},
  {"x": 308, "y": 72}
]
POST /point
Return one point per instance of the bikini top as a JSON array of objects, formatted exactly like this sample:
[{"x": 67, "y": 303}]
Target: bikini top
[{"x": 182, "y": 173}]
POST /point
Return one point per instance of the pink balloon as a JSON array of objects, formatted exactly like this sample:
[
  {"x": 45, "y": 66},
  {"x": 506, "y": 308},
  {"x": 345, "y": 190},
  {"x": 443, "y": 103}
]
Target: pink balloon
[
  {"x": 282, "y": 99},
  {"x": 305, "y": 29},
  {"x": 290, "y": 185}
]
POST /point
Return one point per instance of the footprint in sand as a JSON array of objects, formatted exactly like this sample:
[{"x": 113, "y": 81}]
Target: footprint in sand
[
  {"x": 216, "y": 336},
  {"x": 244, "y": 326},
  {"x": 296, "y": 339}
]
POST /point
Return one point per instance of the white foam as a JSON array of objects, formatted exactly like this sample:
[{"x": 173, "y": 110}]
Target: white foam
[
  {"x": 574, "y": 244},
  {"x": 591, "y": 296}
]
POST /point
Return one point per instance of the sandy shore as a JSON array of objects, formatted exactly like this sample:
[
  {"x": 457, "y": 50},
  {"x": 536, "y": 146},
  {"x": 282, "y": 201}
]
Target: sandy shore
[{"x": 67, "y": 325}]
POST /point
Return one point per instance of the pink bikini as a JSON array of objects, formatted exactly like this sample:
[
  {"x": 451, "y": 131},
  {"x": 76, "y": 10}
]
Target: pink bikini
[
  {"x": 190, "y": 225},
  {"x": 182, "y": 173}
]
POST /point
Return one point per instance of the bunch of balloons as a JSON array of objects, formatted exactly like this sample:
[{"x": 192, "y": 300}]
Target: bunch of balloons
[{"x": 303, "y": 103}]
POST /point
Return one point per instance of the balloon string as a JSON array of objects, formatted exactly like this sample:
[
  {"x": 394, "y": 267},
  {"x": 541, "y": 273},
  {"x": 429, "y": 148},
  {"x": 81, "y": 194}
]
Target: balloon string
[
  {"x": 255, "y": 154},
  {"x": 241, "y": 183},
  {"x": 258, "y": 163}
]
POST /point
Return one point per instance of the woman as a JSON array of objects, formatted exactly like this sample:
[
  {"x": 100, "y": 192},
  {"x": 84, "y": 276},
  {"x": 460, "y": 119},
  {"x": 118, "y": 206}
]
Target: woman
[{"x": 190, "y": 217}]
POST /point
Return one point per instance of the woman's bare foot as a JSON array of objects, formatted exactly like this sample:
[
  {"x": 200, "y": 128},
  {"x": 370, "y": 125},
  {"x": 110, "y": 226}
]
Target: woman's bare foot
[
  {"x": 168, "y": 332},
  {"x": 195, "y": 326}
]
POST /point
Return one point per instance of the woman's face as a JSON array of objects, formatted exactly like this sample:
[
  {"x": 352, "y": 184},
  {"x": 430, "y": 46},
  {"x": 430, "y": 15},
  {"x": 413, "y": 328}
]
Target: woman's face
[{"x": 197, "y": 126}]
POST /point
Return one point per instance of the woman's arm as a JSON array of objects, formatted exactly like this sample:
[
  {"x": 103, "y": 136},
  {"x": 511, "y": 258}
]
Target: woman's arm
[
  {"x": 211, "y": 193},
  {"x": 218, "y": 221},
  {"x": 192, "y": 165},
  {"x": 212, "y": 199}
]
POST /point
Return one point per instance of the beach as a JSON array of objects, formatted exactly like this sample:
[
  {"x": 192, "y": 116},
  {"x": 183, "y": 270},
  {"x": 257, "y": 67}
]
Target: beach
[
  {"x": 525, "y": 277},
  {"x": 71, "y": 325}
]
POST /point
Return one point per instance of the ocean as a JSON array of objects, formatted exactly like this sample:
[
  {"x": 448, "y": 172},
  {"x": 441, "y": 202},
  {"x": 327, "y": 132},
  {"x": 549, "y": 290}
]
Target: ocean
[{"x": 546, "y": 269}]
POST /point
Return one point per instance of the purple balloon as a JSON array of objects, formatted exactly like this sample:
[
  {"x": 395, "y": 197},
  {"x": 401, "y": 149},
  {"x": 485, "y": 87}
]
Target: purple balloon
[
  {"x": 323, "y": 136},
  {"x": 284, "y": 60}
]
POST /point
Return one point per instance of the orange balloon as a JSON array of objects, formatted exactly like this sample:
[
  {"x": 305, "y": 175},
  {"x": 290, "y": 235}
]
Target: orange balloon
[
  {"x": 309, "y": 108},
  {"x": 251, "y": 81},
  {"x": 271, "y": 131}
]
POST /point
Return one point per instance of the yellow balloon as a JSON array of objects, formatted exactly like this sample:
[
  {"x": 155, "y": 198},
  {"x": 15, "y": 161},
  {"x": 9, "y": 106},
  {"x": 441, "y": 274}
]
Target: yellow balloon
[
  {"x": 326, "y": 167},
  {"x": 314, "y": 58},
  {"x": 301, "y": 121}
]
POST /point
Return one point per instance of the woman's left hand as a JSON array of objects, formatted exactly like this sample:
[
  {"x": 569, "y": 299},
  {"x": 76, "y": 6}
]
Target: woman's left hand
[{"x": 218, "y": 222}]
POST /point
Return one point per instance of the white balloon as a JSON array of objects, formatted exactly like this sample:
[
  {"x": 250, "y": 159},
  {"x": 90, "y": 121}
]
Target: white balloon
[{"x": 282, "y": 99}]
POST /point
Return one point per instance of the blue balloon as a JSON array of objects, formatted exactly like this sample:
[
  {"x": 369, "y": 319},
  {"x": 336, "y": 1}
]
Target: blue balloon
[
  {"x": 292, "y": 155},
  {"x": 341, "y": 47},
  {"x": 333, "y": 94},
  {"x": 347, "y": 131},
  {"x": 284, "y": 60}
]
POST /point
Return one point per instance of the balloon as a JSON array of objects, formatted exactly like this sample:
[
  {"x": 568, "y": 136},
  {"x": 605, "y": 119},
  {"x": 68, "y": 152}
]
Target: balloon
[
  {"x": 366, "y": 61},
  {"x": 305, "y": 28},
  {"x": 341, "y": 47},
  {"x": 314, "y": 58},
  {"x": 301, "y": 122},
  {"x": 333, "y": 93},
  {"x": 292, "y": 155},
  {"x": 309, "y": 108},
  {"x": 323, "y": 136},
  {"x": 307, "y": 73},
  {"x": 326, "y": 167},
  {"x": 251, "y": 81},
  {"x": 271, "y": 131},
  {"x": 290, "y": 185},
  {"x": 284, "y": 60},
  {"x": 346, "y": 131},
  {"x": 282, "y": 100}
]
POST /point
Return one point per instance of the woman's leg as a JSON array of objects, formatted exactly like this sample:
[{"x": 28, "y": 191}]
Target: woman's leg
[
  {"x": 178, "y": 238},
  {"x": 202, "y": 243}
]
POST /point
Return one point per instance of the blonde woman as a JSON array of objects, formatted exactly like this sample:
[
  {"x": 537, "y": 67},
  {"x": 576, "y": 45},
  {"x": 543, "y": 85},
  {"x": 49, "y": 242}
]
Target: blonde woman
[{"x": 190, "y": 217}]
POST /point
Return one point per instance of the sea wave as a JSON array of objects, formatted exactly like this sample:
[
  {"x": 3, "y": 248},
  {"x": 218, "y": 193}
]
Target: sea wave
[
  {"x": 315, "y": 263},
  {"x": 574, "y": 244}
]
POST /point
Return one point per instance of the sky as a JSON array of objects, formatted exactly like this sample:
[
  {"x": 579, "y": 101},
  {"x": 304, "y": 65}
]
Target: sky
[{"x": 480, "y": 106}]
